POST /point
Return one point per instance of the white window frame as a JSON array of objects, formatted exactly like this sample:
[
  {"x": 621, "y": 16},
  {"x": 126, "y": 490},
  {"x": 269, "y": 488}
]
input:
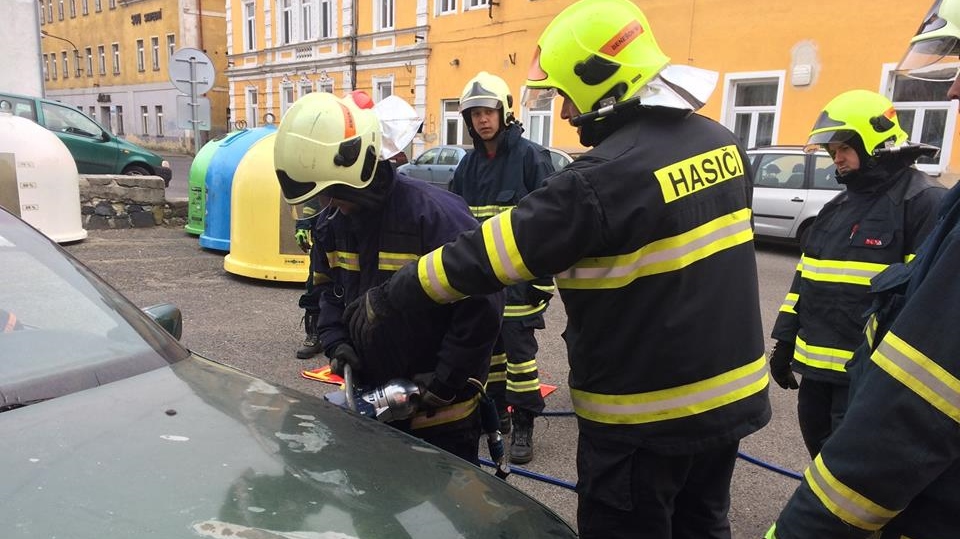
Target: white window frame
[
  {"x": 729, "y": 110},
  {"x": 46, "y": 67},
  {"x": 140, "y": 60},
  {"x": 171, "y": 45},
  {"x": 144, "y": 120},
  {"x": 475, "y": 4},
  {"x": 115, "y": 49},
  {"x": 287, "y": 97},
  {"x": 249, "y": 26},
  {"x": 252, "y": 103},
  {"x": 89, "y": 51},
  {"x": 445, "y": 7},
  {"x": 306, "y": 25},
  {"x": 119, "y": 120},
  {"x": 921, "y": 107},
  {"x": 159, "y": 115},
  {"x": 325, "y": 86},
  {"x": 102, "y": 59},
  {"x": 53, "y": 65},
  {"x": 326, "y": 18},
  {"x": 155, "y": 52},
  {"x": 452, "y": 115},
  {"x": 66, "y": 64},
  {"x": 540, "y": 118},
  {"x": 384, "y": 14},
  {"x": 286, "y": 27},
  {"x": 382, "y": 88}
]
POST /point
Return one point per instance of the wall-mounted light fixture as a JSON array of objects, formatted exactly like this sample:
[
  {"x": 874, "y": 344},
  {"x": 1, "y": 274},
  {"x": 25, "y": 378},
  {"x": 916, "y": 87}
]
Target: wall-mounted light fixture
[{"x": 455, "y": 62}]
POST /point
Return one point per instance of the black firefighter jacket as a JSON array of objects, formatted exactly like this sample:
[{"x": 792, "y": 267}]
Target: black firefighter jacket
[
  {"x": 649, "y": 236},
  {"x": 363, "y": 250},
  {"x": 894, "y": 462},
  {"x": 855, "y": 237},
  {"x": 491, "y": 185}
]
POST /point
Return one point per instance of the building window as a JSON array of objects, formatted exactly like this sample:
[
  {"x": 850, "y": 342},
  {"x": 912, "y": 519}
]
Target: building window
[
  {"x": 46, "y": 67},
  {"x": 97, "y": 5},
  {"x": 53, "y": 65},
  {"x": 85, "y": 7},
  {"x": 326, "y": 18},
  {"x": 752, "y": 107},
  {"x": 454, "y": 129},
  {"x": 286, "y": 98},
  {"x": 77, "y": 66},
  {"x": 383, "y": 10},
  {"x": 144, "y": 120},
  {"x": 382, "y": 89},
  {"x": 140, "y": 67},
  {"x": 155, "y": 52},
  {"x": 50, "y": 11},
  {"x": 115, "y": 49},
  {"x": 113, "y": 4},
  {"x": 446, "y": 6},
  {"x": 159, "y": 110},
  {"x": 66, "y": 65},
  {"x": 924, "y": 114},
  {"x": 252, "y": 107},
  {"x": 249, "y": 26},
  {"x": 89, "y": 52},
  {"x": 102, "y": 58},
  {"x": 60, "y": 10},
  {"x": 538, "y": 122},
  {"x": 73, "y": 9},
  {"x": 286, "y": 22},
  {"x": 171, "y": 45},
  {"x": 119, "y": 120},
  {"x": 473, "y": 4},
  {"x": 41, "y": 17},
  {"x": 306, "y": 20},
  {"x": 325, "y": 86}
]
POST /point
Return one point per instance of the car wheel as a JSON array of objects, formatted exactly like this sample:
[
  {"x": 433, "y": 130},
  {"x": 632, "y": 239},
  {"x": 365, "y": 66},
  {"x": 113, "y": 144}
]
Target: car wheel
[{"x": 136, "y": 170}]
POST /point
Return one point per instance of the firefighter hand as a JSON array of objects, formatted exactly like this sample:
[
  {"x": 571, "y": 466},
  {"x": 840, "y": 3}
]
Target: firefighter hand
[
  {"x": 780, "y": 359},
  {"x": 363, "y": 316},
  {"x": 433, "y": 393},
  {"x": 343, "y": 354},
  {"x": 303, "y": 239}
]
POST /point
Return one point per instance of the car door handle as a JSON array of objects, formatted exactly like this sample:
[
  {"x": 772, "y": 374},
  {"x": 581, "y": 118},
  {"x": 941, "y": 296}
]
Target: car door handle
[{"x": 796, "y": 199}]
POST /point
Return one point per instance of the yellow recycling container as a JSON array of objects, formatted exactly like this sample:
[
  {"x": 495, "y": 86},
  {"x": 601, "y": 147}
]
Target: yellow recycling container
[{"x": 262, "y": 225}]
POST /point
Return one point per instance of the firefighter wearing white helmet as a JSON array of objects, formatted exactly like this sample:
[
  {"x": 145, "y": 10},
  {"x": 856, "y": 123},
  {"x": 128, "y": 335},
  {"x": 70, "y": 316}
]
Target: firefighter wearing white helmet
[
  {"x": 892, "y": 467},
  {"x": 649, "y": 238},
  {"x": 501, "y": 170},
  {"x": 377, "y": 221}
]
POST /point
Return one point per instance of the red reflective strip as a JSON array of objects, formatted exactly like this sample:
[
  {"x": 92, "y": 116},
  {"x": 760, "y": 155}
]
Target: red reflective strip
[
  {"x": 349, "y": 128},
  {"x": 620, "y": 41}
]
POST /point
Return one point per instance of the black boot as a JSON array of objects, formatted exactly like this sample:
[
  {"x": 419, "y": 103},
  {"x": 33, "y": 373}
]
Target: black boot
[
  {"x": 521, "y": 442},
  {"x": 311, "y": 344}
]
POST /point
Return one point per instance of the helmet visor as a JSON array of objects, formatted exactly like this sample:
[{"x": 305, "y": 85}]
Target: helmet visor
[
  {"x": 935, "y": 60},
  {"x": 488, "y": 102},
  {"x": 820, "y": 140},
  {"x": 538, "y": 98}
]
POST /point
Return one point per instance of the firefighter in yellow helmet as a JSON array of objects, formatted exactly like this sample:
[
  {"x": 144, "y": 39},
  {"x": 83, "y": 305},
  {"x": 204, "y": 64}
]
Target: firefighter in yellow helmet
[
  {"x": 377, "y": 221},
  {"x": 881, "y": 218},
  {"x": 892, "y": 467},
  {"x": 649, "y": 238},
  {"x": 502, "y": 169}
]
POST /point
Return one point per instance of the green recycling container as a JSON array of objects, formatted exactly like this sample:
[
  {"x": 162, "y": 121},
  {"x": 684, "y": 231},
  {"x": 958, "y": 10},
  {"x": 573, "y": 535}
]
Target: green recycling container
[{"x": 196, "y": 185}]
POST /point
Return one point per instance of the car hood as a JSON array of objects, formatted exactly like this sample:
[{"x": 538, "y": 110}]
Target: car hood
[{"x": 202, "y": 450}]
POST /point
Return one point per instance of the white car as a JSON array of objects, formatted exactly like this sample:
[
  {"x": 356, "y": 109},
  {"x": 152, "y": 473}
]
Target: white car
[{"x": 790, "y": 188}]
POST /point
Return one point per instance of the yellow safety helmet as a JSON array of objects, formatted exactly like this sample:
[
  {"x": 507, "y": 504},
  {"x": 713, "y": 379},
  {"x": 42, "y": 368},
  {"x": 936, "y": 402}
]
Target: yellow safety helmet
[
  {"x": 490, "y": 91},
  {"x": 934, "y": 53},
  {"x": 324, "y": 141},
  {"x": 596, "y": 53},
  {"x": 865, "y": 114}
]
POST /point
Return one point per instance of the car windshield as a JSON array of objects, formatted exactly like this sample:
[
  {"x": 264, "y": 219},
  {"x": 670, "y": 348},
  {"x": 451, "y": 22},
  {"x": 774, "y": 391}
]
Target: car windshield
[{"x": 62, "y": 329}]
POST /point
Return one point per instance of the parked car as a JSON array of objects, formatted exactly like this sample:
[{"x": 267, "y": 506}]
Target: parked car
[
  {"x": 437, "y": 165},
  {"x": 114, "y": 430},
  {"x": 95, "y": 149},
  {"x": 790, "y": 189}
]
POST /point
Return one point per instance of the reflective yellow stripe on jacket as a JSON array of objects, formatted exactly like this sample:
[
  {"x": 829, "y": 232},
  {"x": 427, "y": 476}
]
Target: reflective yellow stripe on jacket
[
  {"x": 790, "y": 303},
  {"x": 822, "y": 357},
  {"x": 447, "y": 414},
  {"x": 486, "y": 212},
  {"x": 661, "y": 256},
  {"x": 839, "y": 271},
  {"x": 386, "y": 260},
  {"x": 844, "y": 502},
  {"x": 672, "y": 403},
  {"x": 921, "y": 374},
  {"x": 343, "y": 259},
  {"x": 516, "y": 311}
]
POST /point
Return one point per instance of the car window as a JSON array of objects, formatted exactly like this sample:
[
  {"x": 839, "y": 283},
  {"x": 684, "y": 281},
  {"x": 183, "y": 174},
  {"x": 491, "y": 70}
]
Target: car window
[
  {"x": 68, "y": 120},
  {"x": 21, "y": 107},
  {"x": 784, "y": 171},
  {"x": 825, "y": 175},
  {"x": 428, "y": 157},
  {"x": 558, "y": 160},
  {"x": 448, "y": 156},
  {"x": 61, "y": 329}
]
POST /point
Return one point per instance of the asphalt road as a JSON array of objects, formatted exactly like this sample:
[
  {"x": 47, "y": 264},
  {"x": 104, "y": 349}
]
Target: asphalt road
[{"x": 255, "y": 326}]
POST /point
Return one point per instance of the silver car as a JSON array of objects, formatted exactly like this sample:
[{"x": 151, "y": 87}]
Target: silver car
[
  {"x": 790, "y": 189},
  {"x": 437, "y": 165}
]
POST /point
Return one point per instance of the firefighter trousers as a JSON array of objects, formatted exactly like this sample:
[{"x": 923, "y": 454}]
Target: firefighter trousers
[
  {"x": 820, "y": 408},
  {"x": 514, "y": 379}
]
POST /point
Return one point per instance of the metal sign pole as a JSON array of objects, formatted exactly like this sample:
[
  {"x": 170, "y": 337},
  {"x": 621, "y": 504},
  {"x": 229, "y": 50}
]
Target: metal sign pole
[{"x": 194, "y": 115}]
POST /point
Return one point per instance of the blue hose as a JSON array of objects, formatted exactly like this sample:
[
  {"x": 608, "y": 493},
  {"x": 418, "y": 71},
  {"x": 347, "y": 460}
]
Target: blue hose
[{"x": 560, "y": 483}]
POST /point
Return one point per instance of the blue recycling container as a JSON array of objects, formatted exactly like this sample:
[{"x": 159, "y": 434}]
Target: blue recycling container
[{"x": 219, "y": 183}]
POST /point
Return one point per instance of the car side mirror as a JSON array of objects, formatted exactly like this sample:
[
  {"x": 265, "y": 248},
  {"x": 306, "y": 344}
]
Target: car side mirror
[
  {"x": 168, "y": 316},
  {"x": 104, "y": 136}
]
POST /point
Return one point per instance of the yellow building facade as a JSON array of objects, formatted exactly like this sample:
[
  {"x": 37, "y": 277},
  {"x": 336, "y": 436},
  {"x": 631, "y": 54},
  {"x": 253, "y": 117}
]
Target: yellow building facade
[
  {"x": 110, "y": 59},
  {"x": 778, "y": 62}
]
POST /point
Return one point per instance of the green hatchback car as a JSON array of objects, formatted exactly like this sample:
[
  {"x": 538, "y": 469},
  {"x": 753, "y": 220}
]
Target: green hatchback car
[{"x": 96, "y": 150}]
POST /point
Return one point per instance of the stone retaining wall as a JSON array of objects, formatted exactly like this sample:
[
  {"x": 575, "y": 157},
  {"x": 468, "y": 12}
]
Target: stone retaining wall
[{"x": 115, "y": 201}]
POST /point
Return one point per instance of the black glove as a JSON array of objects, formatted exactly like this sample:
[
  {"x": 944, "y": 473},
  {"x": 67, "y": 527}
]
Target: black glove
[
  {"x": 433, "y": 393},
  {"x": 780, "y": 358},
  {"x": 343, "y": 354},
  {"x": 536, "y": 295},
  {"x": 364, "y": 314}
]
